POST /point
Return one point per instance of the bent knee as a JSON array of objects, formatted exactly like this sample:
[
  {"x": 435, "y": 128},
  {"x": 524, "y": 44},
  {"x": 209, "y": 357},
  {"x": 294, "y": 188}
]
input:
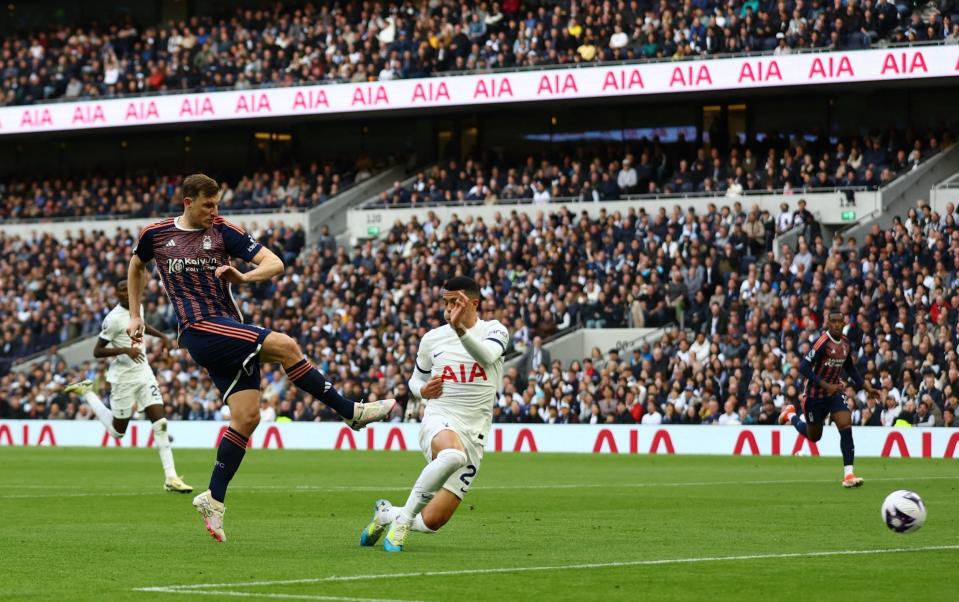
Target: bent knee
[
  {"x": 289, "y": 348},
  {"x": 454, "y": 457},
  {"x": 246, "y": 421}
]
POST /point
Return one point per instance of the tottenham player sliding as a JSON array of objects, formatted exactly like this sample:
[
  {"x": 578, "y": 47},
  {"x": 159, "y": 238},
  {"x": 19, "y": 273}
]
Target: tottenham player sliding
[{"x": 464, "y": 363}]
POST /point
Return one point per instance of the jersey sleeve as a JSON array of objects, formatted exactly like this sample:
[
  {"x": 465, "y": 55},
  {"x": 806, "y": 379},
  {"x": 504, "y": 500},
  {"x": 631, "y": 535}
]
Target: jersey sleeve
[
  {"x": 239, "y": 243},
  {"x": 807, "y": 367},
  {"x": 144, "y": 247},
  {"x": 498, "y": 334},
  {"x": 490, "y": 347},
  {"x": 424, "y": 357},
  {"x": 108, "y": 329},
  {"x": 423, "y": 368}
]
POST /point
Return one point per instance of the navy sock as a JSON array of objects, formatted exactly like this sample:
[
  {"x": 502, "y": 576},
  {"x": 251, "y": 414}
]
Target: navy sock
[
  {"x": 228, "y": 457},
  {"x": 799, "y": 424},
  {"x": 847, "y": 446},
  {"x": 306, "y": 377}
]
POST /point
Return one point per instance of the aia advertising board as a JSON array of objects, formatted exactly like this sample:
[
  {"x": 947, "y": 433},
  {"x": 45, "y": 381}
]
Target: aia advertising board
[
  {"x": 519, "y": 438},
  {"x": 740, "y": 73}
]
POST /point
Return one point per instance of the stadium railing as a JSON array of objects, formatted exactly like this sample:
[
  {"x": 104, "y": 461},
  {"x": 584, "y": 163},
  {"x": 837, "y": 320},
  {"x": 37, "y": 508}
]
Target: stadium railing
[{"x": 901, "y": 194}]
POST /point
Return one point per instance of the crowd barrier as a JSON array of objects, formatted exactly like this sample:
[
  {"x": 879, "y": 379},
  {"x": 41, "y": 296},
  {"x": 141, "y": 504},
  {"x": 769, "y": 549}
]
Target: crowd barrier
[{"x": 539, "y": 438}]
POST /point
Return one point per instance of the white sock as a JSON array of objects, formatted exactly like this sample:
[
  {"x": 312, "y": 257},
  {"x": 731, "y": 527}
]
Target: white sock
[
  {"x": 162, "y": 439},
  {"x": 847, "y": 470},
  {"x": 419, "y": 525},
  {"x": 104, "y": 415},
  {"x": 393, "y": 513},
  {"x": 431, "y": 479},
  {"x": 386, "y": 518}
]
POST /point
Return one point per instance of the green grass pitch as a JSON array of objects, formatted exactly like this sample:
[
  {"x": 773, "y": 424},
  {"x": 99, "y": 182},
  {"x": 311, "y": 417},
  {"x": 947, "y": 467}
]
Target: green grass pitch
[{"x": 94, "y": 524}]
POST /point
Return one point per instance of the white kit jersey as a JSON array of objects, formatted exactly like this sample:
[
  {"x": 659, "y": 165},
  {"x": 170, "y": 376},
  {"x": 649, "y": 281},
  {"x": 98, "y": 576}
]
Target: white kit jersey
[
  {"x": 122, "y": 368},
  {"x": 469, "y": 389}
]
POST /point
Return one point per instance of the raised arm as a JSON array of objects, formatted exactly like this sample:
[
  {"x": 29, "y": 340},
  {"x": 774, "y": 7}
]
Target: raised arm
[{"x": 485, "y": 351}]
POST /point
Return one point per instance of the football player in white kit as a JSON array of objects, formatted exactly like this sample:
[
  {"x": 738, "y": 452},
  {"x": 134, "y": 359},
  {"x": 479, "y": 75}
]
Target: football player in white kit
[
  {"x": 464, "y": 363},
  {"x": 133, "y": 386}
]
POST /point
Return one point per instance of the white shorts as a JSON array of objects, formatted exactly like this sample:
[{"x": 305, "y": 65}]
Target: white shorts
[
  {"x": 125, "y": 398},
  {"x": 459, "y": 483}
]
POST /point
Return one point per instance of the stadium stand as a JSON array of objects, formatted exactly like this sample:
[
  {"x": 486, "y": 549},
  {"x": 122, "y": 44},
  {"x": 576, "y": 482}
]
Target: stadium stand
[
  {"x": 356, "y": 42},
  {"x": 292, "y": 189},
  {"x": 652, "y": 168},
  {"x": 738, "y": 320}
]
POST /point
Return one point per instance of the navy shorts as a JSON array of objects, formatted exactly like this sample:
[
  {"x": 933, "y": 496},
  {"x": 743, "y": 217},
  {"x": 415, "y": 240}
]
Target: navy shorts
[
  {"x": 229, "y": 350},
  {"x": 816, "y": 409}
]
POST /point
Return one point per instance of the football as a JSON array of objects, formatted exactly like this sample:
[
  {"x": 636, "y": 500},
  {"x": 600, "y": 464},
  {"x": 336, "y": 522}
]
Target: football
[{"x": 903, "y": 511}]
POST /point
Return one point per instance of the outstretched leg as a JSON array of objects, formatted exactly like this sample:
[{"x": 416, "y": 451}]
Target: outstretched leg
[
  {"x": 449, "y": 456},
  {"x": 280, "y": 348},
  {"x": 809, "y": 422},
  {"x": 117, "y": 427}
]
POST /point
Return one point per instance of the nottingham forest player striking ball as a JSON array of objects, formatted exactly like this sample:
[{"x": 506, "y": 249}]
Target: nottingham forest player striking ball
[{"x": 193, "y": 255}]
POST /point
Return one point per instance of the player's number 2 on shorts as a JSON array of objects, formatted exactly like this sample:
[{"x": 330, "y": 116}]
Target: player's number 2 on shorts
[
  {"x": 154, "y": 392},
  {"x": 466, "y": 477}
]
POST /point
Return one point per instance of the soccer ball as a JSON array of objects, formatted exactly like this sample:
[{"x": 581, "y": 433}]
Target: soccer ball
[{"x": 903, "y": 511}]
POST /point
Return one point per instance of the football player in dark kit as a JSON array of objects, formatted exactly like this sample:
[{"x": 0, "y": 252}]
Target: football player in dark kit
[
  {"x": 824, "y": 368},
  {"x": 193, "y": 255}
]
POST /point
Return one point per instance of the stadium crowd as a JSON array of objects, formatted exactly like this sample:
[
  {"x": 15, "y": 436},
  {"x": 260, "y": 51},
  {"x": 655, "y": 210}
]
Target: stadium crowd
[
  {"x": 738, "y": 319},
  {"x": 295, "y": 189},
  {"x": 651, "y": 167},
  {"x": 357, "y": 41}
]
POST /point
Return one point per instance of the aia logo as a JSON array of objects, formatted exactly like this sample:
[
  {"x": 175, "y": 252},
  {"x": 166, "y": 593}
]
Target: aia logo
[{"x": 476, "y": 373}]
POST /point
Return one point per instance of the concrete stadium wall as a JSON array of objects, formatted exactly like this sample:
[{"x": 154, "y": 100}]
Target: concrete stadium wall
[
  {"x": 63, "y": 229},
  {"x": 576, "y": 345},
  {"x": 826, "y": 206}
]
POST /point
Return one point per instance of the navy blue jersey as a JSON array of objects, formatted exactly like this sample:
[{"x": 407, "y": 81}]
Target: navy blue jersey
[
  {"x": 825, "y": 363},
  {"x": 186, "y": 261}
]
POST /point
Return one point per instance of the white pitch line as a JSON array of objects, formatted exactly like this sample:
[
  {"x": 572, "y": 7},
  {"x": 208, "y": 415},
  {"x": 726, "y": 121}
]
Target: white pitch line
[
  {"x": 221, "y": 592},
  {"x": 374, "y": 488},
  {"x": 198, "y": 588}
]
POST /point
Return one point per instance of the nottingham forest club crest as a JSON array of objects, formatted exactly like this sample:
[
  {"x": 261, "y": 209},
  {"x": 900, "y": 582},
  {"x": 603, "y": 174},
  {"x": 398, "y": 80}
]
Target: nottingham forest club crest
[
  {"x": 176, "y": 266},
  {"x": 207, "y": 243}
]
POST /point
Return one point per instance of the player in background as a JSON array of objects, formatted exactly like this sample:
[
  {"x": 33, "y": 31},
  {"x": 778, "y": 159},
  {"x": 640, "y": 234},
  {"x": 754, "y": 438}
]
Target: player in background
[
  {"x": 823, "y": 369},
  {"x": 133, "y": 386},
  {"x": 193, "y": 255},
  {"x": 464, "y": 363}
]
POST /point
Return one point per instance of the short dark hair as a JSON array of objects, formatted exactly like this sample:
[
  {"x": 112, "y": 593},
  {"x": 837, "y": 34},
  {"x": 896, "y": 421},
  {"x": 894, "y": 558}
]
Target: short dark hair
[
  {"x": 198, "y": 185},
  {"x": 465, "y": 284},
  {"x": 836, "y": 312}
]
